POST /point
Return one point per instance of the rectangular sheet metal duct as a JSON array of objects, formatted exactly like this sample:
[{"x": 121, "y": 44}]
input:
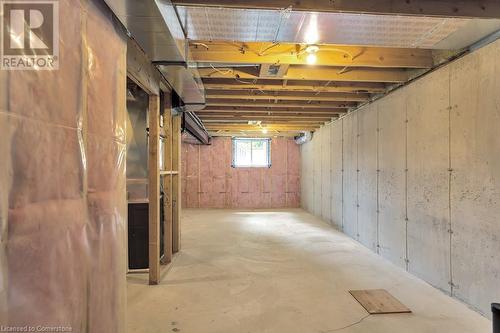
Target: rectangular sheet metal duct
[{"x": 155, "y": 26}]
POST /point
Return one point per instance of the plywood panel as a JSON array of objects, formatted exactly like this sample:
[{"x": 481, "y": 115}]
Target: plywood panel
[
  {"x": 325, "y": 173},
  {"x": 336, "y": 173},
  {"x": 379, "y": 301},
  {"x": 392, "y": 177},
  {"x": 475, "y": 185},
  {"x": 428, "y": 188},
  {"x": 367, "y": 176},
  {"x": 350, "y": 175},
  {"x": 317, "y": 172}
]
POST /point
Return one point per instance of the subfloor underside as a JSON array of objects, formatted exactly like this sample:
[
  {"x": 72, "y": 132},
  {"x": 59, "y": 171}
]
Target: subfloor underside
[{"x": 282, "y": 271}]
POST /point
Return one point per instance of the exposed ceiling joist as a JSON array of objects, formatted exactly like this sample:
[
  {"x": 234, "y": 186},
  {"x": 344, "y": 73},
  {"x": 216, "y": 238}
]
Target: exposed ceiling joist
[
  {"x": 295, "y": 54},
  {"x": 282, "y": 118},
  {"x": 300, "y": 86},
  {"x": 296, "y": 96},
  {"x": 315, "y": 73},
  {"x": 267, "y": 114},
  {"x": 257, "y": 109},
  {"x": 440, "y": 8},
  {"x": 267, "y": 125},
  {"x": 281, "y": 103}
]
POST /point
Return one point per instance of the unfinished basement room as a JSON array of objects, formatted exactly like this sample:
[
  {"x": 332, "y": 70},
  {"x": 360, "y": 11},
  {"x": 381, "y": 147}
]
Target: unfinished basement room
[{"x": 276, "y": 166}]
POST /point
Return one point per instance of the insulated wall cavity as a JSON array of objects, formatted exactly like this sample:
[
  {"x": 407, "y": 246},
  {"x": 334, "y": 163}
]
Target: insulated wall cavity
[
  {"x": 62, "y": 201},
  {"x": 211, "y": 182}
]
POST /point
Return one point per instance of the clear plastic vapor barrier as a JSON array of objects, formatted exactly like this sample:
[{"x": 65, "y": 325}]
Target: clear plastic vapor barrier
[{"x": 62, "y": 178}]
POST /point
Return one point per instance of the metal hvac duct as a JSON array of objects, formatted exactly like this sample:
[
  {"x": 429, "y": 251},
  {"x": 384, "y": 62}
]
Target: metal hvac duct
[
  {"x": 155, "y": 26},
  {"x": 304, "y": 137}
]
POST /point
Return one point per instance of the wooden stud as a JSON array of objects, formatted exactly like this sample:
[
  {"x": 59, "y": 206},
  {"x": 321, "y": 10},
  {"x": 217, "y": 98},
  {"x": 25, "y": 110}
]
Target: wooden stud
[
  {"x": 154, "y": 189},
  {"x": 176, "y": 183},
  {"x": 167, "y": 182}
]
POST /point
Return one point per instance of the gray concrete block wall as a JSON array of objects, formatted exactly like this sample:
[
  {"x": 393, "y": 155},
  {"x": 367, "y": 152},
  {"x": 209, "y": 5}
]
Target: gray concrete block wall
[{"x": 415, "y": 176}]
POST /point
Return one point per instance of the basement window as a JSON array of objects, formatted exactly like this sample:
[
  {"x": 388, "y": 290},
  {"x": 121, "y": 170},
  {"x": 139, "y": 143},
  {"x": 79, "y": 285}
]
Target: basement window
[{"x": 251, "y": 153}]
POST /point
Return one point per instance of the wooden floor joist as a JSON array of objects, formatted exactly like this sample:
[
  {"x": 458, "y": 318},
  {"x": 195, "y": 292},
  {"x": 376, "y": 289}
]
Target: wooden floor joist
[
  {"x": 292, "y": 86},
  {"x": 213, "y": 52},
  {"x": 288, "y": 95},
  {"x": 290, "y": 115},
  {"x": 281, "y": 120},
  {"x": 314, "y": 73},
  {"x": 278, "y": 104},
  {"x": 268, "y": 110}
]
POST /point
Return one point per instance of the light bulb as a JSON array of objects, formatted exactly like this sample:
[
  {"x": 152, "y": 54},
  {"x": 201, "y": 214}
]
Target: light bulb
[
  {"x": 311, "y": 59},
  {"x": 264, "y": 130}
]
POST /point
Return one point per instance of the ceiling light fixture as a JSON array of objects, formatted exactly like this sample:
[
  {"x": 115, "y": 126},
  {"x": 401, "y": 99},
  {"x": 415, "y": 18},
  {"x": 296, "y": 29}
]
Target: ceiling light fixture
[
  {"x": 311, "y": 59},
  {"x": 311, "y": 50}
]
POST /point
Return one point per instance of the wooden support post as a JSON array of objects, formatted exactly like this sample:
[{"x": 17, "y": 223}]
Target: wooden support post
[
  {"x": 154, "y": 189},
  {"x": 167, "y": 183},
  {"x": 176, "y": 183}
]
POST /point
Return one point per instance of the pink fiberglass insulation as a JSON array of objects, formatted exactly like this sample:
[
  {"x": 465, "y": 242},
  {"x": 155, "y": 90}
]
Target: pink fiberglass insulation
[
  {"x": 210, "y": 181},
  {"x": 62, "y": 175}
]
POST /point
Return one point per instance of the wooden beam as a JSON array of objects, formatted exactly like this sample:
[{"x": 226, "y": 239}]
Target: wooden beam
[
  {"x": 214, "y": 118},
  {"x": 167, "y": 181},
  {"x": 314, "y": 73},
  {"x": 154, "y": 189},
  {"x": 439, "y": 8},
  {"x": 269, "y": 126},
  {"x": 295, "y": 54},
  {"x": 293, "y": 86},
  {"x": 253, "y": 134},
  {"x": 176, "y": 183},
  {"x": 279, "y": 104},
  {"x": 272, "y": 110},
  {"x": 268, "y": 114},
  {"x": 288, "y": 88},
  {"x": 288, "y": 95}
]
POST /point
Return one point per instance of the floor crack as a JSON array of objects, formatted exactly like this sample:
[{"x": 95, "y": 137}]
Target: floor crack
[{"x": 350, "y": 325}]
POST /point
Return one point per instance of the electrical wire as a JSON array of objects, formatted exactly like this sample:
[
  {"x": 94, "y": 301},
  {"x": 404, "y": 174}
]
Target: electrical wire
[{"x": 229, "y": 71}]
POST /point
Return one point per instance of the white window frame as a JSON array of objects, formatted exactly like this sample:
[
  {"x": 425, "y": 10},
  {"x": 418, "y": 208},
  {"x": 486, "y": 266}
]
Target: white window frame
[{"x": 236, "y": 139}]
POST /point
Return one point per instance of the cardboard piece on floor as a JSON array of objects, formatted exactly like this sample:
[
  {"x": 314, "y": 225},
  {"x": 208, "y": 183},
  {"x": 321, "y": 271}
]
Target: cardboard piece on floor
[{"x": 379, "y": 301}]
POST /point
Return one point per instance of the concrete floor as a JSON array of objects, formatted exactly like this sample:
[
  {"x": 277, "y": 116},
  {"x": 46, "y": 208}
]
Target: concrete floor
[{"x": 282, "y": 271}]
